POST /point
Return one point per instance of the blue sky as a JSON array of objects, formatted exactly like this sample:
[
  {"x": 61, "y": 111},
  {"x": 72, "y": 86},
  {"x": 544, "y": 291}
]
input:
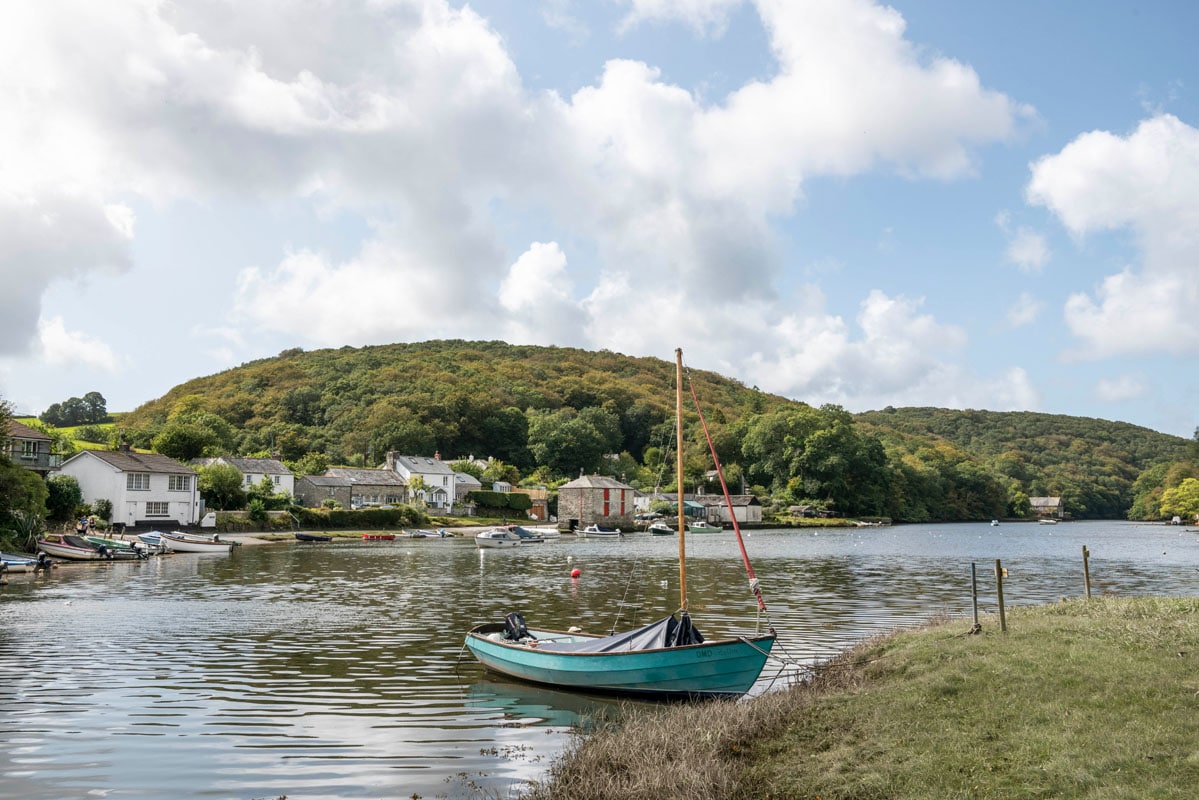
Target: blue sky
[{"x": 960, "y": 205}]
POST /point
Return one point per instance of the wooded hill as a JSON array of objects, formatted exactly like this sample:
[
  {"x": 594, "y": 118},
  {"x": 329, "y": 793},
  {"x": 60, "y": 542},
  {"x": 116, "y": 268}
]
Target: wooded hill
[{"x": 551, "y": 411}]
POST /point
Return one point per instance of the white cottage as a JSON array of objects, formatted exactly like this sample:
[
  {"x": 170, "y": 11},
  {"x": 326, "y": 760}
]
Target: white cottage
[
  {"x": 440, "y": 485},
  {"x": 144, "y": 488},
  {"x": 253, "y": 470}
]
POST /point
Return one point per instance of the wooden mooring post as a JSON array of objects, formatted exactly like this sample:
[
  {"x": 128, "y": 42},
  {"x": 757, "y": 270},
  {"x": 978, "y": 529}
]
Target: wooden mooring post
[
  {"x": 974, "y": 596},
  {"x": 1086, "y": 570},
  {"x": 999, "y": 592}
]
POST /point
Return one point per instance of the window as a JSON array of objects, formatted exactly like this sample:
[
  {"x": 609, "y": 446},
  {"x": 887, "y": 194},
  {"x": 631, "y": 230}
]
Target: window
[
  {"x": 29, "y": 450},
  {"x": 179, "y": 483},
  {"x": 249, "y": 481},
  {"x": 275, "y": 478},
  {"x": 137, "y": 482},
  {"x": 156, "y": 509}
]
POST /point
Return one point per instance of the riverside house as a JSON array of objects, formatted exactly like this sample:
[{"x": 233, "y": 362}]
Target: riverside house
[
  {"x": 440, "y": 485},
  {"x": 146, "y": 489},
  {"x": 595, "y": 499},
  {"x": 313, "y": 490},
  {"x": 253, "y": 470},
  {"x": 372, "y": 487},
  {"x": 30, "y": 448}
]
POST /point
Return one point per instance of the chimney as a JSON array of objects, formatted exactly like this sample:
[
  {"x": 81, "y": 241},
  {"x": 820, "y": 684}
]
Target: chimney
[
  {"x": 391, "y": 460},
  {"x": 437, "y": 455}
]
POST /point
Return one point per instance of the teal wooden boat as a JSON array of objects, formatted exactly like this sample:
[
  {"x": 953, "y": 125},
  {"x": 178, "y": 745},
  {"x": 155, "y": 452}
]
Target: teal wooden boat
[
  {"x": 624, "y": 664},
  {"x": 666, "y": 659}
]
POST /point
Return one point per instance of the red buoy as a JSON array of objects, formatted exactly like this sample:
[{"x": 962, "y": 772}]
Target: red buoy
[{"x": 576, "y": 572}]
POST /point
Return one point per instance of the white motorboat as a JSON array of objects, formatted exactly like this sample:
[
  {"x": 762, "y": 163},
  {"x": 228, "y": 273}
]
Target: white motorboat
[
  {"x": 497, "y": 538},
  {"x": 594, "y": 531}
]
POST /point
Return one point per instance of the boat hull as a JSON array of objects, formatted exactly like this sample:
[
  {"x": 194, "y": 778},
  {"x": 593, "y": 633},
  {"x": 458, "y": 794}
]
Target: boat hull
[
  {"x": 497, "y": 539},
  {"x": 19, "y": 563},
  {"x": 180, "y": 544},
  {"x": 72, "y": 553},
  {"x": 593, "y": 532},
  {"x": 720, "y": 668}
]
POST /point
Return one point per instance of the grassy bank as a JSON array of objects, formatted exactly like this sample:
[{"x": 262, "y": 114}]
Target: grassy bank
[{"x": 1094, "y": 699}]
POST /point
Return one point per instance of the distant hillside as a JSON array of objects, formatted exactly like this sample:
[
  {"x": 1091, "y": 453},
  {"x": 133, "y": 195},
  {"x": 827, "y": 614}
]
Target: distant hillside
[
  {"x": 464, "y": 398},
  {"x": 1090, "y": 462},
  {"x": 457, "y": 397}
]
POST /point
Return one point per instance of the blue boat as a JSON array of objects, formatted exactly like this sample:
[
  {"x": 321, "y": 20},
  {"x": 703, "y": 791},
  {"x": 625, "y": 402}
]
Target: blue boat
[
  {"x": 667, "y": 659},
  {"x": 642, "y": 662}
]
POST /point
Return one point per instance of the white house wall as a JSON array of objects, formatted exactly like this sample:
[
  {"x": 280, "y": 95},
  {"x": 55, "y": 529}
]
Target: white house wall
[{"x": 99, "y": 480}]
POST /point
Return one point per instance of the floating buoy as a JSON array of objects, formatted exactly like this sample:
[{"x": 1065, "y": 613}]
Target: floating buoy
[{"x": 576, "y": 572}]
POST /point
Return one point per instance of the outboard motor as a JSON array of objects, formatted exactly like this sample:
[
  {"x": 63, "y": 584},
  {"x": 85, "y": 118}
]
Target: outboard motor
[{"x": 514, "y": 627}]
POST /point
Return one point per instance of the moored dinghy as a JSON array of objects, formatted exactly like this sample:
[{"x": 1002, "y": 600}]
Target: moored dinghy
[
  {"x": 180, "y": 542},
  {"x": 667, "y": 659},
  {"x": 72, "y": 547}
]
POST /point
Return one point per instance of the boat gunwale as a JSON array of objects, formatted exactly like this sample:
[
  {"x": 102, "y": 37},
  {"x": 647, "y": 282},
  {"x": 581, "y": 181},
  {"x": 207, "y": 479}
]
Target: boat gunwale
[{"x": 496, "y": 627}]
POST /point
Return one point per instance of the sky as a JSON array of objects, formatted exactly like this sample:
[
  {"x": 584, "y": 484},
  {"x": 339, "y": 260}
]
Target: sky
[{"x": 960, "y": 205}]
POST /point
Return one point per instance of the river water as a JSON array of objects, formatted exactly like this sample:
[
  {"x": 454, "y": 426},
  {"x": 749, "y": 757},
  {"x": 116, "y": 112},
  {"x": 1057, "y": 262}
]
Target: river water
[{"x": 338, "y": 671}]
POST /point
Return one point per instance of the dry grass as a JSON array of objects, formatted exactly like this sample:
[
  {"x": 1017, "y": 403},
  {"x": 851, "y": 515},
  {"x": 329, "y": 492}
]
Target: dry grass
[{"x": 1078, "y": 700}]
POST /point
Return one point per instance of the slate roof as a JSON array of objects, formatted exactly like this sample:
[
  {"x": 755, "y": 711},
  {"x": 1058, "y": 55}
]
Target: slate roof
[
  {"x": 426, "y": 465},
  {"x": 327, "y": 480},
  {"x": 138, "y": 462},
  {"x": 17, "y": 430},
  {"x": 369, "y": 477},
  {"x": 257, "y": 466},
  {"x": 595, "y": 482}
]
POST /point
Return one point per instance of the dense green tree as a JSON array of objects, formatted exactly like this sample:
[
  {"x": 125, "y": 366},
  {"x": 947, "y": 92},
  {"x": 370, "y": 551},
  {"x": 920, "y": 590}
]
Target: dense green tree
[
  {"x": 63, "y": 497},
  {"x": 1182, "y": 501},
  {"x": 92, "y": 408},
  {"x": 266, "y": 494},
  {"x": 497, "y": 470},
  {"x": 22, "y": 506},
  {"x": 309, "y": 464},
  {"x": 186, "y": 440},
  {"x": 564, "y": 442},
  {"x": 505, "y": 435},
  {"x": 471, "y": 468},
  {"x": 221, "y": 487}
]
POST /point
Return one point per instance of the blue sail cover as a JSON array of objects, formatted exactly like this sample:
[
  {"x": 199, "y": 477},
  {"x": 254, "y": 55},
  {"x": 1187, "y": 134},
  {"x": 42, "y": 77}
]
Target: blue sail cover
[{"x": 666, "y": 632}]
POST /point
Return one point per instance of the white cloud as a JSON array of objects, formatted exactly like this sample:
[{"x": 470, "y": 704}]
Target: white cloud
[
  {"x": 1025, "y": 311},
  {"x": 60, "y": 347},
  {"x": 1027, "y": 250},
  {"x": 1126, "y": 387},
  {"x": 410, "y": 117},
  {"x": 708, "y": 17},
  {"x": 537, "y": 294},
  {"x": 1148, "y": 182}
]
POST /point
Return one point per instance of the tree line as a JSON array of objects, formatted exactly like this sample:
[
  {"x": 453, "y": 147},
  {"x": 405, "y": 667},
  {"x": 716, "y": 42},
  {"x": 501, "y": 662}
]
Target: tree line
[{"x": 543, "y": 415}]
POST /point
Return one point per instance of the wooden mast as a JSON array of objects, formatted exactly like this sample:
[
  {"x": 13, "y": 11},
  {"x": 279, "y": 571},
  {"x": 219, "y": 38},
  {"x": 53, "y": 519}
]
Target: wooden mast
[{"x": 682, "y": 521}]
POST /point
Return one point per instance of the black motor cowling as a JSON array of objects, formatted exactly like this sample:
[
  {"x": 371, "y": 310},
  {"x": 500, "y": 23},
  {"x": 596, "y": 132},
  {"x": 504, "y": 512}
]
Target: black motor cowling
[{"x": 515, "y": 629}]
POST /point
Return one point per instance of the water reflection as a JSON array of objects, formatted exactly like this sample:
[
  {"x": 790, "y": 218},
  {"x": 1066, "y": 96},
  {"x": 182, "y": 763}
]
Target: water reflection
[{"x": 336, "y": 670}]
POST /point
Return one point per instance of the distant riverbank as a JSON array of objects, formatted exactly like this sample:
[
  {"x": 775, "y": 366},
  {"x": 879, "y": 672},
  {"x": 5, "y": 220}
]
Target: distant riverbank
[{"x": 1077, "y": 699}]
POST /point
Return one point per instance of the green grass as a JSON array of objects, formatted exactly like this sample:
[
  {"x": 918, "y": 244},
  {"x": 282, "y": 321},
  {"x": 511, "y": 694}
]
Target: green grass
[{"x": 1094, "y": 699}]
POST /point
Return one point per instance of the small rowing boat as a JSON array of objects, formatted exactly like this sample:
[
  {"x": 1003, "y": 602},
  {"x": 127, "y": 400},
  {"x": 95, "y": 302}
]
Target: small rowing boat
[{"x": 180, "y": 542}]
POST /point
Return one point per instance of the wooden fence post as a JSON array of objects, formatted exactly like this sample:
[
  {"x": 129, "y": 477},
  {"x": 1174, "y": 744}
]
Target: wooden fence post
[
  {"x": 999, "y": 590},
  {"x": 974, "y": 596},
  {"x": 1086, "y": 570}
]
